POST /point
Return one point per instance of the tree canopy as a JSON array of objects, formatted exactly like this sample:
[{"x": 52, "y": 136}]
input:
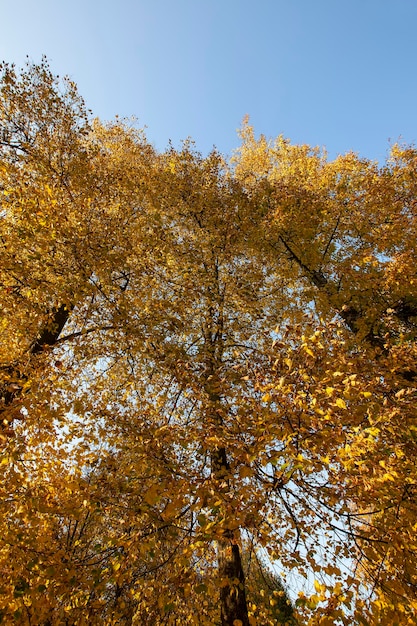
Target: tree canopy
[{"x": 207, "y": 375}]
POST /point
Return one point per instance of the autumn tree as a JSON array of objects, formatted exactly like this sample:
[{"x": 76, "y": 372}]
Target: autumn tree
[{"x": 200, "y": 356}]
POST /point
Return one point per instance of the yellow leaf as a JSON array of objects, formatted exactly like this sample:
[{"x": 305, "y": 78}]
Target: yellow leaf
[
  {"x": 245, "y": 472},
  {"x": 152, "y": 495}
]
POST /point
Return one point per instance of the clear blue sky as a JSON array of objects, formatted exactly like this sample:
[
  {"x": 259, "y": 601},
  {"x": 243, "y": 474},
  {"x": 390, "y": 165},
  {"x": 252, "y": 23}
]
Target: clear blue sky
[{"x": 335, "y": 73}]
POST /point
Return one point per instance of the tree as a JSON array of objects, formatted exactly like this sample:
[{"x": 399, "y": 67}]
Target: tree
[{"x": 201, "y": 355}]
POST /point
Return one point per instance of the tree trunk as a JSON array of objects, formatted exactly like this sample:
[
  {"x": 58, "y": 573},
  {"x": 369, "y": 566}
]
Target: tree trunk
[
  {"x": 13, "y": 377},
  {"x": 233, "y": 605}
]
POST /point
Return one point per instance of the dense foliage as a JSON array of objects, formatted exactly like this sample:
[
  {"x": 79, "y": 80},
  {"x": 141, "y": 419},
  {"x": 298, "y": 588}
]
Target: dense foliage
[{"x": 207, "y": 376}]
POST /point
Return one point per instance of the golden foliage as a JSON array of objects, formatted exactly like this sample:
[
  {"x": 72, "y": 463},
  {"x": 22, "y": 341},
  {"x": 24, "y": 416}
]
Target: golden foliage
[{"x": 198, "y": 355}]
